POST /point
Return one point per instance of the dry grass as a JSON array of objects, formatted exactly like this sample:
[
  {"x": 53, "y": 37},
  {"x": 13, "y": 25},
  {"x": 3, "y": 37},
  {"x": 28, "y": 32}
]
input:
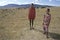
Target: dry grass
[{"x": 14, "y": 25}]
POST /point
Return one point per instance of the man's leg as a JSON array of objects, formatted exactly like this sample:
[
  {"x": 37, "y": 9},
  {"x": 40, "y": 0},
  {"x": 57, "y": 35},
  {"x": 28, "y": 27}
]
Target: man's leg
[
  {"x": 47, "y": 31},
  {"x": 32, "y": 24},
  {"x": 44, "y": 28}
]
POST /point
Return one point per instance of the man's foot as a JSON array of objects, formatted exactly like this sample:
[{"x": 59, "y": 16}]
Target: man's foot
[
  {"x": 32, "y": 28},
  {"x": 44, "y": 33},
  {"x": 47, "y": 37}
]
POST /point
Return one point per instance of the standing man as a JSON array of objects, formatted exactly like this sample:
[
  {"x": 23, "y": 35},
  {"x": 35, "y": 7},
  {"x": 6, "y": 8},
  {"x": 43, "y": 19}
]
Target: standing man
[
  {"x": 46, "y": 22},
  {"x": 31, "y": 15}
]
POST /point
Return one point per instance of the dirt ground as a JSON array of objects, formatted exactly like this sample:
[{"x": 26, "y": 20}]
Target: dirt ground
[{"x": 14, "y": 24}]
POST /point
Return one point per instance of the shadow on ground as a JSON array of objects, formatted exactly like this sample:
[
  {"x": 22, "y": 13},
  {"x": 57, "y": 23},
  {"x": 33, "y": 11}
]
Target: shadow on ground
[{"x": 55, "y": 36}]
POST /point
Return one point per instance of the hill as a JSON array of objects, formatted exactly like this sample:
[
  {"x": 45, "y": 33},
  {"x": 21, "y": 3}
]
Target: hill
[{"x": 21, "y": 6}]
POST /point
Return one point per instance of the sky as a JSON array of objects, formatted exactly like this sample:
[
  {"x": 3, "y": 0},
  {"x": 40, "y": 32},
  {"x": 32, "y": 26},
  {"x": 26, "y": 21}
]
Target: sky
[{"x": 20, "y": 2}]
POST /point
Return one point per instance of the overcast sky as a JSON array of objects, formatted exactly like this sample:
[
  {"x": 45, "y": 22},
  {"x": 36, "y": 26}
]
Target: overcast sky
[{"x": 42, "y": 2}]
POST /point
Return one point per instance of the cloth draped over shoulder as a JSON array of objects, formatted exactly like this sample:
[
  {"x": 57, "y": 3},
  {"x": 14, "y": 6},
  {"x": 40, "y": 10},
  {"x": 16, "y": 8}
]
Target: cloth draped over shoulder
[
  {"x": 46, "y": 20},
  {"x": 32, "y": 13}
]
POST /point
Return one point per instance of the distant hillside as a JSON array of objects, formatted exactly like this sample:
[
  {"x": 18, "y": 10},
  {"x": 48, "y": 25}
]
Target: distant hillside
[{"x": 21, "y": 6}]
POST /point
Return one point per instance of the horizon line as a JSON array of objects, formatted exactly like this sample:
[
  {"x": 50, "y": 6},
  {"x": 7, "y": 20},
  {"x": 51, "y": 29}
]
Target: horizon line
[{"x": 30, "y": 3}]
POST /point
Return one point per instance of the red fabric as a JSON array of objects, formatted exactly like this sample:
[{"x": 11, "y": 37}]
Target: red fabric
[{"x": 31, "y": 13}]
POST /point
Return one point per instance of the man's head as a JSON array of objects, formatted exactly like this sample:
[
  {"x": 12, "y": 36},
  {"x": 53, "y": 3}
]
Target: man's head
[
  {"x": 32, "y": 4},
  {"x": 48, "y": 10}
]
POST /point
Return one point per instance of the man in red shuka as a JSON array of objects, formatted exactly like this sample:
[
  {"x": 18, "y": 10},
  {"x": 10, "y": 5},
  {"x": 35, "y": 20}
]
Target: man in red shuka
[
  {"x": 46, "y": 22},
  {"x": 31, "y": 15}
]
